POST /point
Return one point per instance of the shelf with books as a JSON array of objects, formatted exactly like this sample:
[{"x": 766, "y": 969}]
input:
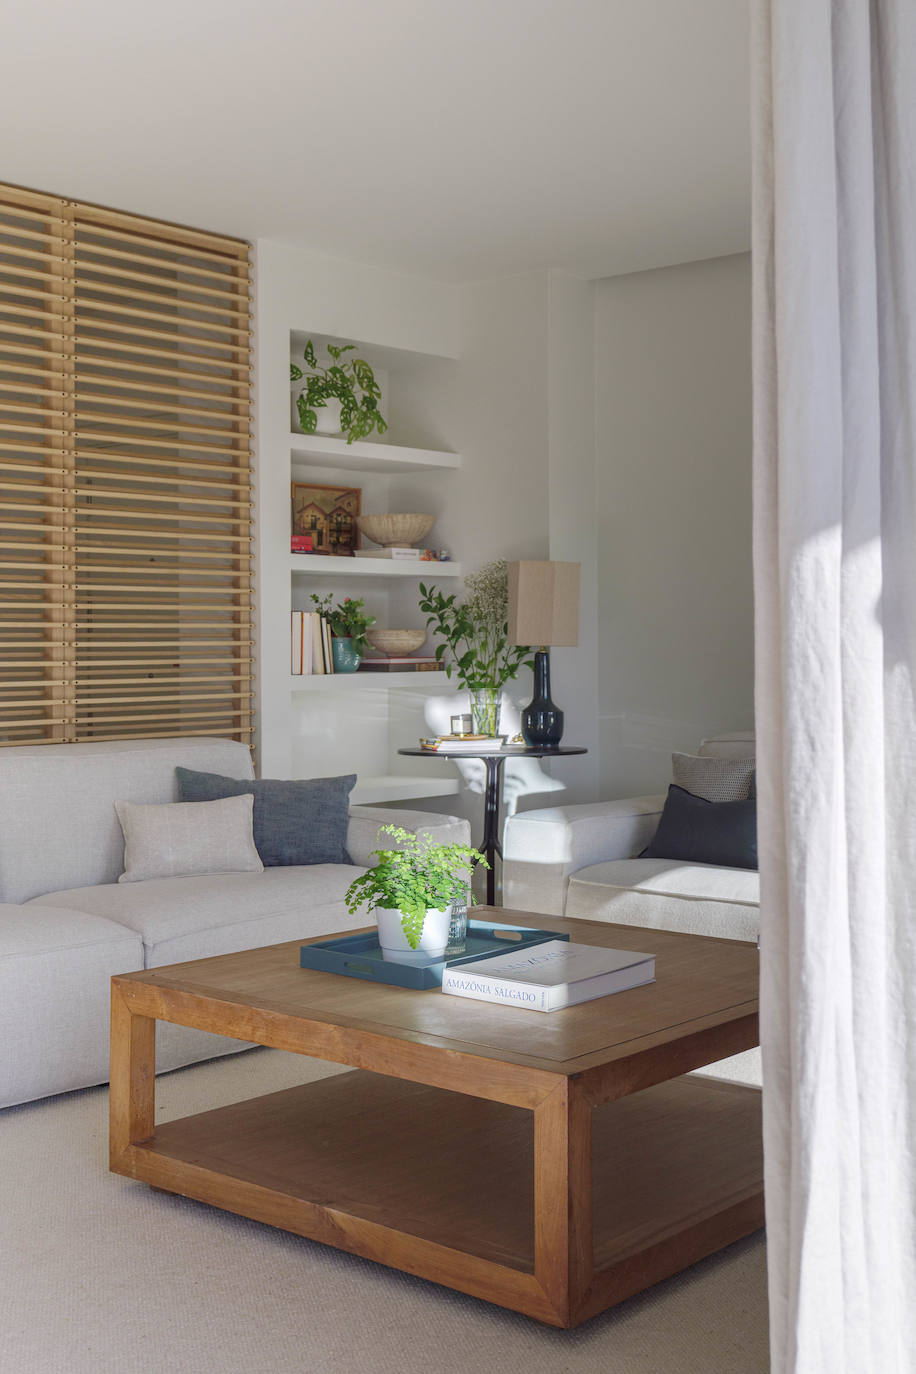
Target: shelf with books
[
  {"x": 323, "y": 450},
  {"x": 322, "y": 682},
  {"x": 324, "y": 565}
]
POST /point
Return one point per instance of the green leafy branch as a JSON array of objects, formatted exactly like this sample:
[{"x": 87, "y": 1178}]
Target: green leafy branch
[
  {"x": 413, "y": 877},
  {"x": 477, "y": 645},
  {"x": 352, "y": 382}
]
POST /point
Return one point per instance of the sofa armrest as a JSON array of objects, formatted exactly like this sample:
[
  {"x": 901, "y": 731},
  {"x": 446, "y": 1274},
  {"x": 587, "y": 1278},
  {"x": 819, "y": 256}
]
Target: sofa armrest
[
  {"x": 542, "y": 849},
  {"x": 365, "y": 821}
]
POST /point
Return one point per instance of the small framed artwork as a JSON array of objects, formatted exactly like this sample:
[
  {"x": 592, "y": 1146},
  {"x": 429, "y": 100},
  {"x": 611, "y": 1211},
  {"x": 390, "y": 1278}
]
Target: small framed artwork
[{"x": 327, "y": 516}]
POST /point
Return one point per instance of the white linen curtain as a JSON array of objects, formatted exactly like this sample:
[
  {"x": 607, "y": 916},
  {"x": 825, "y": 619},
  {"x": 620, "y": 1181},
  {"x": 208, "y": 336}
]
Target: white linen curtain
[{"x": 835, "y": 583}]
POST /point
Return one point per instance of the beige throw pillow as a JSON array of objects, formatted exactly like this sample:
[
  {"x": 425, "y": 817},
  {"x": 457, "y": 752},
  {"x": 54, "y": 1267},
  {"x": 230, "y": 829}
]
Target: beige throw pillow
[
  {"x": 714, "y": 779},
  {"x": 181, "y": 839}
]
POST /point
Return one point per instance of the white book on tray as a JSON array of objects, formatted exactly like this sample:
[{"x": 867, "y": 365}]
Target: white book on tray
[{"x": 550, "y": 976}]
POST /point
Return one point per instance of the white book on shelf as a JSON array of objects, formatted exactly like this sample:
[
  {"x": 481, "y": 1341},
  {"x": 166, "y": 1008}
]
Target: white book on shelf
[
  {"x": 550, "y": 976},
  {"x": 317, "y": 643},
  {"x": 392, "y": 552},
  {"x": 295, "y": 644}
]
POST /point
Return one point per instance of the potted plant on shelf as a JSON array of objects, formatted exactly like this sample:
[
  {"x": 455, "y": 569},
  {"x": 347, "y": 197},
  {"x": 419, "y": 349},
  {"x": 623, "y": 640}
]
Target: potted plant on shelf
[
  {"x": 411, "y": 889},
  {"x": 475, "y": 634},
  {"x": 348, "y": 623},
  {"x": 340, "y": 399}
]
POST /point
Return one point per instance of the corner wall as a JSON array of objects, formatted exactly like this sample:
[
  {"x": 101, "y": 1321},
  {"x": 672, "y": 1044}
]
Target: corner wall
[{"x": 673, "y": 435}]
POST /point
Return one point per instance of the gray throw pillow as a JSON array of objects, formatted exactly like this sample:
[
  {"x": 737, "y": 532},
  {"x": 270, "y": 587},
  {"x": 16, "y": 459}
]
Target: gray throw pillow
[
  {"x": 702, "y": 832},
  {"x": 295, "y": 822},
  {"x": 713, "y": 779},
  {"x": 172, "y": 841}
]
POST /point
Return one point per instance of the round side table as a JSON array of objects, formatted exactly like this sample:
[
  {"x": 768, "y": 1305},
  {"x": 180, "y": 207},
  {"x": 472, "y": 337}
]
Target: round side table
[{"x": 491, "y": 845}]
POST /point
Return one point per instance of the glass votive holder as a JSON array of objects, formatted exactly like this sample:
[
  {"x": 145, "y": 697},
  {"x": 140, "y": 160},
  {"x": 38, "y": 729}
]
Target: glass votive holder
[{"x": 457, "y": 930}]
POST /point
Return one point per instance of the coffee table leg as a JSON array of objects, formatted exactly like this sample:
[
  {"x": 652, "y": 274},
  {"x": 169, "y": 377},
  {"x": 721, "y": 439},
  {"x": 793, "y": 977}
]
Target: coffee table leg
[
  {"x": 133, "y": 1077},
  {"x": 563, "y": 1251}
]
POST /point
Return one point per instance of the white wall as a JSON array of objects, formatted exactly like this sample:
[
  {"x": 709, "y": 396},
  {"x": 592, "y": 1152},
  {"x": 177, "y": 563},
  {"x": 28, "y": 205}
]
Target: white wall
[{"x": 673, "y": 433}]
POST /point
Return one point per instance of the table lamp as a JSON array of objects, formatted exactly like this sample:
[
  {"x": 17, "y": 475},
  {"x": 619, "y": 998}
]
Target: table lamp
[{"x": 543, "y": 613}]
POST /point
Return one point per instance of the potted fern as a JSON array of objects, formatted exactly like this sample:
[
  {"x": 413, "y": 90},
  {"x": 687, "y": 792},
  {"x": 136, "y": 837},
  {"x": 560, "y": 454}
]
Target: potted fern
[
  {"x": 340, "y": 399},
  {"x": 411, "y": 889}
]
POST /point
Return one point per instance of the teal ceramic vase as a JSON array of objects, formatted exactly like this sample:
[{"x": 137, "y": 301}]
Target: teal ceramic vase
[{"x": 346, "y": 659}]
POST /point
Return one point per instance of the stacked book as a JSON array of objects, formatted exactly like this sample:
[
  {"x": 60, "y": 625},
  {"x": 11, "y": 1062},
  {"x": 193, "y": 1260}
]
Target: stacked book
[
  {"x": 463, "y": 744},
  {"x": 550, "y": 976},
  {"x": 391, "y": 663},
  {"x": 310, "y": 644}
]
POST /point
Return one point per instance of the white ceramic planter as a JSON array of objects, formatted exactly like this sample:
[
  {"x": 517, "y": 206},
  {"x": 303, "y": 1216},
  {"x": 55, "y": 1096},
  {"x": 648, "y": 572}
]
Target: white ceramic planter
[
  {"x": 328, "y": 421},
  {"x": 391, "y": 937}
]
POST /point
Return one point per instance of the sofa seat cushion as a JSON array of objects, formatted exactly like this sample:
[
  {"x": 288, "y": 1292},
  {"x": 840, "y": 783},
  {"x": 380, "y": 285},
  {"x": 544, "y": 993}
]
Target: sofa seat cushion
[
  {"x": 669, "y": 894},
  {"x": 55, "y": 971},
  {"x": 220, "y": 913}
]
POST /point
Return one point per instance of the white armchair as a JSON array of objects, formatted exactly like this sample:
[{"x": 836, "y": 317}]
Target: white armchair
[{"x": 582, "y": 861}]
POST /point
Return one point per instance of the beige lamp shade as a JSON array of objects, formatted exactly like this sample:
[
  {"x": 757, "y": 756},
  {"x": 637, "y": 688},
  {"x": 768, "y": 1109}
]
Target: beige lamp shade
[{"x": 544, "y": 604}]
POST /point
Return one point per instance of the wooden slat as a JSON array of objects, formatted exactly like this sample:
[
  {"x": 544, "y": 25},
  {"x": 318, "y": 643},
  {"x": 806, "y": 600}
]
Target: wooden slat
[
  {"x": 189, "y": 315},
  {"x": 159, "y": 373},
  {"x": 114, "y": 224},
  {"x": 175, "y": 293},
  {"x": 98, "y": 250}
]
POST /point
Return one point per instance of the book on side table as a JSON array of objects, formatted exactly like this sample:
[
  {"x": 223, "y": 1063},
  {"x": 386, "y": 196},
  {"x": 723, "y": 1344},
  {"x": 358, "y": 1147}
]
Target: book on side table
[{"x": 553, "y": 975}]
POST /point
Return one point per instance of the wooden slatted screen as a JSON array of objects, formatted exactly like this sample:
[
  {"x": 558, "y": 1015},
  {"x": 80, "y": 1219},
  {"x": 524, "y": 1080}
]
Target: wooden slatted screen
[{"x": 125, "y": 476}]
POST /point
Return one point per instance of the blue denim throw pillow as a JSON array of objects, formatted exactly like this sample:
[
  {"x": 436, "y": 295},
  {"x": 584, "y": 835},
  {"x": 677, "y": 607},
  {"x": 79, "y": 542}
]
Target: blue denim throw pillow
[
  {"x": 704, "y": 832},
  {"x": 295, "y": 822}
]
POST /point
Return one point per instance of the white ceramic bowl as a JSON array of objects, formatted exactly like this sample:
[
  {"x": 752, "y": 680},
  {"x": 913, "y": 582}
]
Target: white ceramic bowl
[
  {"x": 402, "y": 530},
  {"x": 397, "y": 643}
]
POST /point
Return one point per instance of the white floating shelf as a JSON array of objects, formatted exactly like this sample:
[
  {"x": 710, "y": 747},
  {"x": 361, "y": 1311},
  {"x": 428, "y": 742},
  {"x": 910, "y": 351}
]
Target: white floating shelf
[
  {"x": 397, "y": 787},
  {"x": 322, "y": 682},
  {"x": 322, "y": 450},
  {"x": 321, "y": 565}
]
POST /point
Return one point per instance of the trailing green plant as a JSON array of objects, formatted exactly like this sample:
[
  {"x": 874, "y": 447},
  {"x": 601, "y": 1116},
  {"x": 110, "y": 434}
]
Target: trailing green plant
[
  {"x": 413, "y": 877},
  {"x": 347, "y": 619},
  {"x": 351, "y": 382},
  {"x": 475, "y": 630}
]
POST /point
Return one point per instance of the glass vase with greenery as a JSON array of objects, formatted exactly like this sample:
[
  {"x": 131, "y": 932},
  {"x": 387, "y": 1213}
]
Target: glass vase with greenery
[
  {"x": 475, "y": 639},
  {"x": 416, "y": 876},
  {"x": 350, "y": 381},
  {"x": 347, "y": 619}
]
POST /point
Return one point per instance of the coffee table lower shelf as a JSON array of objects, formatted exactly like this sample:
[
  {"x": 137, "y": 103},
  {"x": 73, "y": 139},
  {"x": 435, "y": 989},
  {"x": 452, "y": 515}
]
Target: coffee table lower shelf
[{"x": 441, "y": 1184}]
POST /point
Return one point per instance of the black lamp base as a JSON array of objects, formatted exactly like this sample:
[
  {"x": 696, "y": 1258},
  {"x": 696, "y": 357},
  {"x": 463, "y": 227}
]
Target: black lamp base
[{"x": 542, "y": 722}]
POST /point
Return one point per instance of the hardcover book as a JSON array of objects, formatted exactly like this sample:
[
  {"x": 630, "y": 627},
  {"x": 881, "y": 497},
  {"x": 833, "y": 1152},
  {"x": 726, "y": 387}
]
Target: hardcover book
[{"x": 550, "y": 976}]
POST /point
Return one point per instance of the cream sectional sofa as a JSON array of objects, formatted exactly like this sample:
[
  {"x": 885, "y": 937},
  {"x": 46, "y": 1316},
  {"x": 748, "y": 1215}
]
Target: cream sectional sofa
[{"x": 67, "y": 925}]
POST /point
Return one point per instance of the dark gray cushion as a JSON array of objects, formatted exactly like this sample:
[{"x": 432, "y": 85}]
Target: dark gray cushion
[
  {"x": 296, "y": 822},
  {"x": 704, "y": 832}
]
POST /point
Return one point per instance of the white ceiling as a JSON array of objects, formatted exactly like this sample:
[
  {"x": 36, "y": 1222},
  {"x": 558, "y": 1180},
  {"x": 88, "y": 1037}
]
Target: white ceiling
[{"x": 459, "y": 139}]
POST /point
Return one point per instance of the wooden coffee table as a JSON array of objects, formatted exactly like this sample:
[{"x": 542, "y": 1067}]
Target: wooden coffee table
[{"x": 553, "y": 1163}]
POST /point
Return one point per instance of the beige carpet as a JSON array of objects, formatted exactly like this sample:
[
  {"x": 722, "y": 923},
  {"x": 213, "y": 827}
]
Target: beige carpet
[{"x": 100, "y": 1275}]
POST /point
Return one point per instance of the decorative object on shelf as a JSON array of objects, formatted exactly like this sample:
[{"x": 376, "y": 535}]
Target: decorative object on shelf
[
  {"x": 543, "y": 611},
  {"x": 402, "y": 530},
  {"x": 301, "y": 543},
  {"x": 340, "y": 399},
  {"x": 476, "y": 634},
  {"x": 435, "y": 556},
  {"x": 396, "y": 643},
  {"x": 411, "y": 889},
  {"x": 327, "y": 516},
  {"x": 348, "y": 623}
]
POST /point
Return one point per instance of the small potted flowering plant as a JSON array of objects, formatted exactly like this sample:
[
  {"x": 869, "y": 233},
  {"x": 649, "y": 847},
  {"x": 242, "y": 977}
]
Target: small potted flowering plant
[
  {"x": 411, "y": 889},
  {"x": 348, "y": 622}
]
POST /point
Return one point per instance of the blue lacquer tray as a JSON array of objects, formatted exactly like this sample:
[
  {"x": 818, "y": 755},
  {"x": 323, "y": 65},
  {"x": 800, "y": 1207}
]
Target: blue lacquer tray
[{"x": 360, "y": 956}]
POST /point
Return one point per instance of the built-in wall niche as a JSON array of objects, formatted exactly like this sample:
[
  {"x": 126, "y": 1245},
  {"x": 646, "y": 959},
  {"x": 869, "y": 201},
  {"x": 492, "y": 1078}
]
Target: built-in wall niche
[{"x": 398, "y": 373}]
